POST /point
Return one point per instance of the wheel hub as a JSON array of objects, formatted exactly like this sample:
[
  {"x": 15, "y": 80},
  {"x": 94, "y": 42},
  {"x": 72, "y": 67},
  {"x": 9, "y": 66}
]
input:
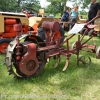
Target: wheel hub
[{"x": 30, "y": 65}]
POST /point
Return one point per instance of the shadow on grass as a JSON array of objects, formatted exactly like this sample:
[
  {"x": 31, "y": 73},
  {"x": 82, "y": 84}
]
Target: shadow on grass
[{"x": 74, "y": 81}]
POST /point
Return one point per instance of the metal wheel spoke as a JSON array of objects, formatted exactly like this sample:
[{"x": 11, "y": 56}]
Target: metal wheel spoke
[{"x": 86, "y": 61}]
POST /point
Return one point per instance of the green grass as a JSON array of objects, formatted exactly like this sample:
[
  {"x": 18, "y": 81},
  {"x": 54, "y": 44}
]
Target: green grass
[
  {"x": 84, "y": 16},
  {"x": 58, "y": 15},
  {"x": 76, "y": 83}
]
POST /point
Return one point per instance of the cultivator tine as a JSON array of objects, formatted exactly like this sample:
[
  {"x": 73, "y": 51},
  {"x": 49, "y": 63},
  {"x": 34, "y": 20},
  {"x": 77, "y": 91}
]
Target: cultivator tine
[
  {"x": 66, "y": 65},
  {"x": 48, "y": 60},
  {"x": 58, "y": 61}
]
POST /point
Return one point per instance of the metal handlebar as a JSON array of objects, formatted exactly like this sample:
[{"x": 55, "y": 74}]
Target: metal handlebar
[{"x": 92, "y": 20}]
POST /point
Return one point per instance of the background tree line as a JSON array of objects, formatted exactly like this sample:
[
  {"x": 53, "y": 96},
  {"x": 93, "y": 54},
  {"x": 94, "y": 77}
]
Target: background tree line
[
  {"x": 59, "y": 5},
  {"x": 18, "y": 5},
  {"x": 56, "y": 6}
]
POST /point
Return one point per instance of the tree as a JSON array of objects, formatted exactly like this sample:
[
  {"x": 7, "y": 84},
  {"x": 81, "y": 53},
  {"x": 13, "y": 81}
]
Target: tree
[
  {"x": 28, "y": 4},
  {"x": 84, "y": 3},
  {"x": 58, "y": 6},
  {"x": 7, "y": 5},
  {"x": 17, "y": 5}
]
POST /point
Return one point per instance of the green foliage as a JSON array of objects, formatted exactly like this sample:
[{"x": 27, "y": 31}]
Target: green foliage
[
  {"x": 56, "y": 6},
  {"x": 83, "y": 12},
  {"x": 7, "y": 5},
  {"x": 17, "y": 5},
  {"x": 84, "y": 3}
]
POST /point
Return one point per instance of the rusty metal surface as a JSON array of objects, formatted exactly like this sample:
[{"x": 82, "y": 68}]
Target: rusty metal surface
[
  {"x": 85, "y": 60},
  {"x": 35, "y": 56},
  {"x": 10, "y": 52},
  {"x": 28, "y": 65},
  {"x": 58, "y": 61},
  {"x": 10, "y": 49},
  {"x": 47, "y": 25},
  {"x": 66, "y": 64},
  {"x": 17, "y": 27}
]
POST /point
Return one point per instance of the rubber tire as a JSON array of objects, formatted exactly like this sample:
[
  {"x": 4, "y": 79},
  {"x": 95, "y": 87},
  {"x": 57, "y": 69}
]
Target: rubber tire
[
  {"x": 5, "y": 40},
  {"x": 98, "y": 53},
  {"x": 61, "y": 30},
  {"x": 90, "y": 32},
  {"x": 82, "y": 31},
  {"x": 41, "y": 33}
]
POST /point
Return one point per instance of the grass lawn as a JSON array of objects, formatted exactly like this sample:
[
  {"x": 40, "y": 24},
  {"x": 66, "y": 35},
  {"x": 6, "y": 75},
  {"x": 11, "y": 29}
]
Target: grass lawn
[
  {"x": 85, "y": 16},
  {"x": 76, "y": 83}
]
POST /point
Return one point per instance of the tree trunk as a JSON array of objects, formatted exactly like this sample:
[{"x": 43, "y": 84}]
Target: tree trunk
[
  {"x": 65, "y": 5},
  {"x": 18, "y": 3}
]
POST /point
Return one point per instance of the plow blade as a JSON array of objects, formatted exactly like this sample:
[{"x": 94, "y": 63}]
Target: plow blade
[
  {"x": 66, "y": 64},
  {"x": 58, "y": 61}
]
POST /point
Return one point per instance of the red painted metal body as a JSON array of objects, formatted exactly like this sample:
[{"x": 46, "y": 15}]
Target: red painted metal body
[
  {"x": 17, "y": 28},
  {"x": 34, "y": 55},
  {"x": 9, "y": 33},
  {"x": 54, "y": 26},
  {"x": 10, "y": 21},
  {"x": 9, "y": 30},
  {"x": 29, "y": 63}
]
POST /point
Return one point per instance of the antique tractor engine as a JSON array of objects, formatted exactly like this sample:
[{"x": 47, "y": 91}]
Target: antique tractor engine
[
  {"x": 7, "y": 33},
  {"x": 28, "y": 52}
]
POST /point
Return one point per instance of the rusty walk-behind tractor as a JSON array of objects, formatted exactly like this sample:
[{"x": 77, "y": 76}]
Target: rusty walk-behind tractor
[{"x": 29, "y": 53}]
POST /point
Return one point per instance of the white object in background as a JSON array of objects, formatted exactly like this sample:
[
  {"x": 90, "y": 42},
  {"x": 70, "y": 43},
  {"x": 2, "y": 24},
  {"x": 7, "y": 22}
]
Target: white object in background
[{"x": 76, "y": 28}]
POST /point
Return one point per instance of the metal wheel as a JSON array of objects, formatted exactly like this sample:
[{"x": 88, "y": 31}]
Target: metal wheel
[
  {"x": 98, "y": 52},
  {"x": 28, "y": 65},
  {"x": 86, "y": 61},
  {"x": 41, "y": 67}
]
